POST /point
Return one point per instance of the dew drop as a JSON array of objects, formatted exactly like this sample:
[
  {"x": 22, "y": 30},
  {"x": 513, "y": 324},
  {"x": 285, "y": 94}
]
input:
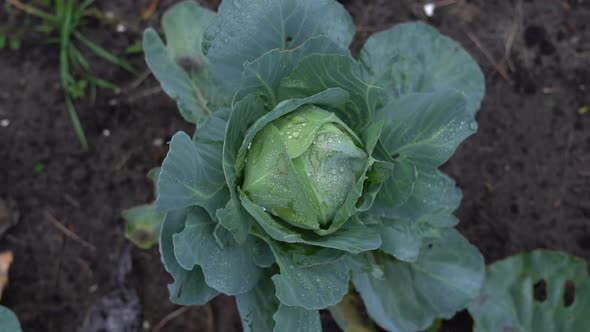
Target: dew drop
[
  {"x": 473, "y": 125},
  {"x": 341, "y": 169},
  {"x": 296, "y": 134},
  {"x": 333, "y": 171}
]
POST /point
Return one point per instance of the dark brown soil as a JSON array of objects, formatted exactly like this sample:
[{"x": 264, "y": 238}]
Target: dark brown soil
[{"x": 525, "y": 175}]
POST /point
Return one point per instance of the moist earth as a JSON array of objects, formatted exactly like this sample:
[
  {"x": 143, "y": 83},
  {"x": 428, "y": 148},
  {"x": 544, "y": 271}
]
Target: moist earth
[{"x": 525, "y": 175}]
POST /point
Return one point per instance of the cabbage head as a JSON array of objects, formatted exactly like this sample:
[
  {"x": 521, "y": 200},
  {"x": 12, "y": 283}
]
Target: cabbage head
[{"x": 313, "y": 174}]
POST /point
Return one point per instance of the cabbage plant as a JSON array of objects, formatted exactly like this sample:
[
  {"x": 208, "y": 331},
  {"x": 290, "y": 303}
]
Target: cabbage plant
[{"x": 313, "y": 175}]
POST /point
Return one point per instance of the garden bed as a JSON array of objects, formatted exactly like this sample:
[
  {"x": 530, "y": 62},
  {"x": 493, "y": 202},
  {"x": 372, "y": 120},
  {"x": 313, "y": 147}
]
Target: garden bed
[{"x": 525, "y": 175}]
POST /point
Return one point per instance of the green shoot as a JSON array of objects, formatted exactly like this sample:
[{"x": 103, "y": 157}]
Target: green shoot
[{"x": 61, "y": 25}]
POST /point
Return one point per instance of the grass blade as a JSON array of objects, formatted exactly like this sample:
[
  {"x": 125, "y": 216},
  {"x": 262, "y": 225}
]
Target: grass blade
[
  {"x": 76, "y": 122},
  {"x": 78, "y": 59},
  {"x": 102, "y": 83},
  {"x": 104, "y": 53}
]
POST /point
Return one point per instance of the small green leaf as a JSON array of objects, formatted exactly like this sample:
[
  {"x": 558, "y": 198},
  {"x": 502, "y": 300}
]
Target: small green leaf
[
  {"x": 415, "y": 57},
  {"x": 246, "y": 29},
  {"x": 143, "y": 225},
  {"x": 313, "y": 287},
  {"x": 8, "y": 321},
  {"x": 39, "y": 167},
  {"x": 230, "y": 269},
  {"x": 189, "y": 287},
  {"x": 192, "y": 175},
  {"x": 507, "y": 301},
  {"x": 135, "y": 48},
  {"x": 409, "y": 296},
  {"x": 319, "y": 72},
  {"x": 14, "y": 43}
]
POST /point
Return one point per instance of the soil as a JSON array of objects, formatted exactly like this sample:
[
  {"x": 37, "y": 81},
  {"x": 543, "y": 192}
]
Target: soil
[{"x": 525, "y": 175}]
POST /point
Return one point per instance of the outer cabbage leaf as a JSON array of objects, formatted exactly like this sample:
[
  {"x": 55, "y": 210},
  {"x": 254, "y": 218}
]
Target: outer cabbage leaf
[
  {"x": 319, "y": 72},
  {"x": 212, "y": 129},
  {"x": 434, "y": 194},
  {"x": 426, "y": 128},
  {"x": 9, "y": 322},
  {"x": 192, "y": 174},
  {"x": 408, "y": 297},
  {"x": 415, "y": 57},
  {"x": 404, "y": 239},
  {"x": 261, "y": 311},
  {"x": 396, "y": 190},
  {"x": 227, "y": 266},
  {"x": 421, "y": 130},
  {"x": 180, "y": 66},
  {"x": 353, "y": 237},
  {"x": 295, "y": 319},
  {"x": 317, "y": 286},
  {"x": 189, "y": 287},
  {"x": 233, "y": 217},
  {"x": 507, "y": 301},
  {"x": 246, "y": 29},
  {"x": 263, "y": 75},
  {"x": 258, "y": 306}
]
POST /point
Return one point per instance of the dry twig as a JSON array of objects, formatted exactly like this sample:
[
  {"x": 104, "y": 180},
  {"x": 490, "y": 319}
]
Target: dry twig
[
  {"x": 489, "y": 57},
  {"x": 67, "y": 232},
  {"x": 516, "y": 24},
  {"x": 170, "y": 317}
]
